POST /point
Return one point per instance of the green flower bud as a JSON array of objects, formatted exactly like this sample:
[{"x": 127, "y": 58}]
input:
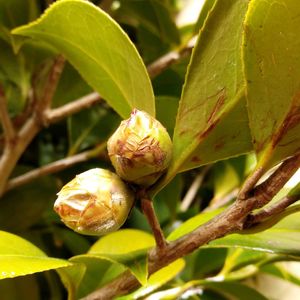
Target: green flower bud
[
  {"x": 140, "y": 149},
  {"x": 95, "y": 202}
]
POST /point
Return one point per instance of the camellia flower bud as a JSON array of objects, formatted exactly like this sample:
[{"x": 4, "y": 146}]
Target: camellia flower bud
[
  {"x": 140, "y": 149},
  {"x": 95, "y": 202}
]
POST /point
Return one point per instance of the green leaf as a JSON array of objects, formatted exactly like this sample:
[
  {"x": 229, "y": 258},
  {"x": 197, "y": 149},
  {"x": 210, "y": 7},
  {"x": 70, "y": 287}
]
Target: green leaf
[
  {"x": 153, "y": 15},
  {"x": 205, "y": 10},
  {"x": 166, "y": 111},
  {"x": 127, "y": 247},
  {"x": 156, "y": 280},
  {"x": 19, "y": 257},
  {"x": 272, "y": 69},
  {"x": 98, "y": 273},
  {"x": 14, "y": 77},
  {"x": 123, "y": 242},
  {"x": 72, "y": 277},
  {"x": 70, "y": 87},
  {"x": 235, "y": 290},
  {"x": 192, "y": 224},
  {"x": 15, "y": 12},
  {"x": 171, "y": 196},
  {"x": 212, "y": 119},
  {"x": 99, "y": 49},
  {"x": 91, "y": 127},
  {"x": 281, "y": 271}
]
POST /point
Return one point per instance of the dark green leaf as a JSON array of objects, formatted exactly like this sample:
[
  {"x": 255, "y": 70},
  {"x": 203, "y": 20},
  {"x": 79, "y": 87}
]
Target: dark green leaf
[
  {"x": 22, "y": 207},
  {"x": 153, "y": 15}
]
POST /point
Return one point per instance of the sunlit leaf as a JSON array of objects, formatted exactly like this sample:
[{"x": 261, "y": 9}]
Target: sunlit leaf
[
  {"x": 156, "y": 280},
  {"x": 212, "y": 119},
  {"x": 99, "y": 49},
  {"x": 272, "y": 68},
  {"x": 127, "y": 247},
  {"x": 19, "y": 257}
]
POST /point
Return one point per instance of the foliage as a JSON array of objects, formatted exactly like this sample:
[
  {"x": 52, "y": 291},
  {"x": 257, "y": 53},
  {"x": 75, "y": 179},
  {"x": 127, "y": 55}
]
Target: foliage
[{"x": 231, "y": 104}]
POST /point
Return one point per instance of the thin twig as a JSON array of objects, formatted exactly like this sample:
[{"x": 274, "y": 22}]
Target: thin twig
[
  {"x": 44, "y": 103},
  {"x": 170, "y": 58},
  {"x": 191, "y": 193},
  {"x": 54, "y": 167},
  {"x": 149, "y": 212},
  {"x": 231, "y": 220},
  {"x": 249, "y": 183},
  {"x": 8, "y": 129},
  {"x": 31, "y": 127},
  {"x": 274, "y": 209},
  {"x": 56, "y": 114}
]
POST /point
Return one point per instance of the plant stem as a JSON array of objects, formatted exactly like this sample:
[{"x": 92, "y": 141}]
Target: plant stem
[
  {"x": 31, "y": 127},
  {"x": 229, "y": 221},
  {"x": 54, "y": 167},
  {"x": 56, "y": 114},
  {"x": 149, "y": 212},
  {"x": 8, "y": 129}
]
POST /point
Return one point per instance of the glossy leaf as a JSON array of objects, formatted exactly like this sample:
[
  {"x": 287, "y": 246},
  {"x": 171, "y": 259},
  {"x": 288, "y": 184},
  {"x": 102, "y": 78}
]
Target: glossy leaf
[
  {"x": 71, "y": 278},
  {"x": 156, "y": 280},
  {"x": 19, "y": 257},
  {"x": 272, "y": 69},
  {"x": 99, "y": 49},
  {"x": 192, "y": 224},
  {"x": 205, "y": 10},
  {"x": 127, "y": 247},
  {"x": 212, "y": 119}
]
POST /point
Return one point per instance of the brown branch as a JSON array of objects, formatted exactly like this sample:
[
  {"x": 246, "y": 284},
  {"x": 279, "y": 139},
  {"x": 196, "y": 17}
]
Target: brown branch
[
  {"x": 250, "y": 182},
  {"x": 44, "y": 103},
  {"x": 231, "y": 220},
  {"x": 8, "y": 129},
  {"x": 170, "y": 58},
  {"x": 31, "y": 127},
  {"x": 57, "y": 114},
  {"x": 54, "y": 167},
  {"x": 149, "y": 212},
  {"x": 274, "y": 209}
]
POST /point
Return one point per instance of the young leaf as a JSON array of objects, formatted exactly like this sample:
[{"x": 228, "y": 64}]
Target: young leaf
[
  {"x": 212, "y": 106},
  {"x": 99, "y": 49},
  {"x": 19, "y": 257},
  {"x": 127, "y": 247},
  {"x": 156, "y": 280},
  {"x": 272, "y": 69}
]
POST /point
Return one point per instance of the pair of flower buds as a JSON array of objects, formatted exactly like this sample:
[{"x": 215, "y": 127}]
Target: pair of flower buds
[{"x": 98, "y": 201}]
